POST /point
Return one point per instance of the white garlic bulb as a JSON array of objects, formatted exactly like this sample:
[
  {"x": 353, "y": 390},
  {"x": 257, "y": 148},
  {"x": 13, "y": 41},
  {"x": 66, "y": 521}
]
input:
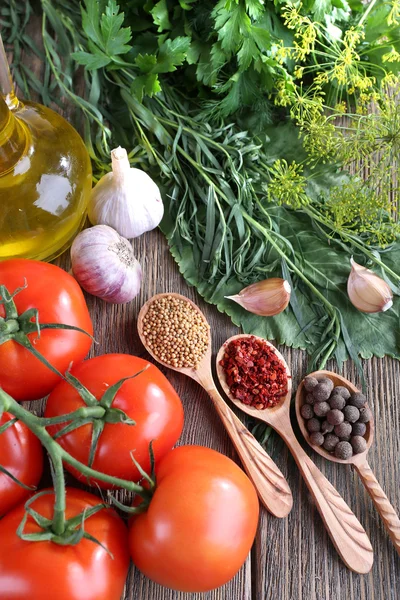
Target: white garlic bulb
[
  {"x": 126, "y": 199},
  {"x": 368, "y": 292},
  {"x": 104, "y": 265}
]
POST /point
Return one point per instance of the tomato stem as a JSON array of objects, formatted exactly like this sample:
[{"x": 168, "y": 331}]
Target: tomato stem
[{"x": 58, "y": 455}]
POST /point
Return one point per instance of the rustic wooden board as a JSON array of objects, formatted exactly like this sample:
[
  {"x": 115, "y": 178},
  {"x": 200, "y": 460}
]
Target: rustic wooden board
[{"x": 292, "y": 559}]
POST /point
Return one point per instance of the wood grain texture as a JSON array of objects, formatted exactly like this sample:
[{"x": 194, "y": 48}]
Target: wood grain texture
[{"x": 292, "y": 558}]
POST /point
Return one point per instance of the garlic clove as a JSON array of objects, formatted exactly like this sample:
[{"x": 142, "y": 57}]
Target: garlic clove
[
  {"x": 104, "y": 265},
  {"x": 368, "y": 292},
  {"x": 126, "y": 199},
  {"x": 265, "y": 298}
]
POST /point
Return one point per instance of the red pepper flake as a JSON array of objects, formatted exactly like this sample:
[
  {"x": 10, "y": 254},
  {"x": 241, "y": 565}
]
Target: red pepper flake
[{"x": 254, "y": 373}]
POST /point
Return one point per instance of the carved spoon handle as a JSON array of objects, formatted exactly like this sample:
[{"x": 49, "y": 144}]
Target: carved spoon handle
[{"x": 381, "y": 501}]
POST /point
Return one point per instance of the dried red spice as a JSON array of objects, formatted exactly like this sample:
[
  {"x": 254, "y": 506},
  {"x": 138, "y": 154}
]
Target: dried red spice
[{"x": 254, "y": 373}]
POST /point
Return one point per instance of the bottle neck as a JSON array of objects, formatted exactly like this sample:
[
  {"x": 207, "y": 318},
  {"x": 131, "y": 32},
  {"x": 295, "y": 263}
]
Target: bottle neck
[{"x": 13, "y": 138}]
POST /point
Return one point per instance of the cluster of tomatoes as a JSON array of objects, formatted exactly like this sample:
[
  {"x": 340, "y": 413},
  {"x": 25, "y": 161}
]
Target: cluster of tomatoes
[{"x": 201, "y": 520}]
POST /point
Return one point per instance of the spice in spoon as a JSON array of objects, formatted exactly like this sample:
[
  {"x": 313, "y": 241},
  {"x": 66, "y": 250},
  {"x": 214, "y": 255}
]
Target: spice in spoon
[
  {"x": 254, "y": 373},
  {"x": 175, "y": 332}
]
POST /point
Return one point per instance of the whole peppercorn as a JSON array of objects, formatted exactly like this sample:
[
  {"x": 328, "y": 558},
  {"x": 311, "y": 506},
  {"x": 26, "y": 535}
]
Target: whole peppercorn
[
  {"x": 317, "y": 439},
  {"x": 330, "y": 442},
  {"x": 328, "y": 382},
  {"x": 365, "y": 415},
  {"x": 321, "y": 392},
  {"x": 326, "y": 427},
  {"x": 359, "y": 428},
  {"x": 337, "y": 401},
  {"x": 343, "y": 391},
  {"x": 310, "y": 383},
  {"x": 351, "y": 413},
  {"x": 343, "y": 450},
  {"x": 307, "y": 411},
  {"x": 358, "y": 443},
  {"x": 313, "y": 425},
  {"x": 321, "y": 409},
  {"x": 310, "y": 399},
  {"x": 335, "y": 417},
  {"x": 343, "y": 430},
  {"x": 357, "y": 399}
]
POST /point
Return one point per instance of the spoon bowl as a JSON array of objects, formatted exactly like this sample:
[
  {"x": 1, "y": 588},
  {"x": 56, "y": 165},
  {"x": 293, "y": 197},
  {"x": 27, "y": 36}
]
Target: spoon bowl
[
  {"x": 344, "y": 529},
  {"x": 268, "y": 480},
  {"x": 359, "y": 461}
]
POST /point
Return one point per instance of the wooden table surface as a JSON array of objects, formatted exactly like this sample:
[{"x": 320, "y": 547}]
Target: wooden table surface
[{"x": 292, "y": 558}]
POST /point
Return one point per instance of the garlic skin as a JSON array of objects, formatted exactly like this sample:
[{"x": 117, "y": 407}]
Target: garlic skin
[
  {"x": 126, "y": 199},
  {"x": 265, "y": 298},
  {"x": 104, "y": 265},
  {"x": 368, "y": 292}
]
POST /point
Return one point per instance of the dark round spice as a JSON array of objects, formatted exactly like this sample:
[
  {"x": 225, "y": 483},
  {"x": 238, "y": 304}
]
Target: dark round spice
[
  {"x": 335, "y": 416},
  {"x": 351, "y": 413},
  {"x": 343, "y": 450},
  {"x": 254, "y": 373},
  {"x": 328, "y": 382},
  {"x": 359, "y": 428},
  {"x": 330, "y": 442},
  {"x": 310, "y": 383},
  {"x": 343, "y": 391},
  {"x": 321, "y": 409},
  {"x": 359, "y": 444},
  {"x": 343, "y": 430},
  {"x": 326, "y": 427},
  {"x": 365, "y": 415},
  {"x": 337, "y": 401},
  {"x": 322, "y": 392},
  {"x": 317, "y": 439},
  {"x": 313, "y": 425},
  {"x": 357, "y": 399},
  {"x": 307, "y": 411},
  {"x": 310, "y": 399}
]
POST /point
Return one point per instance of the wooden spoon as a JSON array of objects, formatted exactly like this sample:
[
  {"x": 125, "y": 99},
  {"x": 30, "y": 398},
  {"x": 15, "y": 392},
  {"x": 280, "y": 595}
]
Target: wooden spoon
[
  {"x": 271, "y": 486},
  {"x": 345, "y": 531},
  {"x": 359, "y": 461}
]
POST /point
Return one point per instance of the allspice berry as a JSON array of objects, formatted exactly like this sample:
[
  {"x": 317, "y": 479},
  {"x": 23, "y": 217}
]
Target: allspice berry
[
  {"x": 330, "y": 442},
  {"x": 313, "y": 425},
  {"x": 328, "y": 382},
  {"x": 310, "y": 383},
  {"x": 365, "y": 415},
  {"x": 321, "y": 392},
  {"x": 359, "y": 444},
  {"x": 326, "y": 427},
  {"x": 343, "y": 430},
  {"x": 307, "y": 411},
  {"x": 310, "y": 399},
  {"x": 351, "y": 413},
  {"x": 337, "y": 401},
  {"x": 359, "y": 428},
  {"x": 321, "y": 409},
  {"x": 317, "y": 439},
  {"x": 343, "y": 391},
  {"x": 335, "y": 417},
  {"x": 357, "y": 399},
  {"x": 343, "y": 450}
]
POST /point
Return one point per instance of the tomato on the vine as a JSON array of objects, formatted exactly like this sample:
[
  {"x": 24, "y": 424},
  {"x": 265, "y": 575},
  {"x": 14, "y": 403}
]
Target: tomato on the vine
[
  {"x": 22, "y": 455},
  {"x": 59, "y": 299},
  {"x": 200, "y": 523},
  {"x": 149, "y": 399},
  {"x": 45, "y": 570}
]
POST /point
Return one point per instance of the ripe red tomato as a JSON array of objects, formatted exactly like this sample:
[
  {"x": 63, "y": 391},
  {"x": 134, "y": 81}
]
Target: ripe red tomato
[
  {"x": 22, "y": 455},
  {"x": 59, "y": 299},
  {"x": 149, "y": 399},
  {"x": 200, "y": 523},
  {"x": 48, "y": 571}
]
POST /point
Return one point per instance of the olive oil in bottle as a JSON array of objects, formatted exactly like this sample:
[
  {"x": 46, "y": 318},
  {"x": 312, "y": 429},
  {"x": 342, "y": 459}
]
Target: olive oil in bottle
[{"x": 45, "y": 177}]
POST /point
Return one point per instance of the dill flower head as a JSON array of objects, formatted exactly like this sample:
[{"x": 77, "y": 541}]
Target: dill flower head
[
  {"x": 393, "y": 17},
  {"x": 287, "y": 184}
]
